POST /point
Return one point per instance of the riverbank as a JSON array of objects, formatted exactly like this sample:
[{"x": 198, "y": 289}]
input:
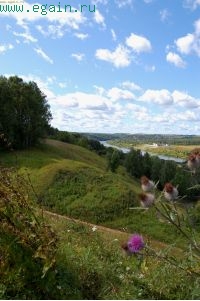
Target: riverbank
[{"x": 153, "y": 151}]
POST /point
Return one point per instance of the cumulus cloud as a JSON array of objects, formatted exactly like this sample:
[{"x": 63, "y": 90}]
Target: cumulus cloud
[
  {"x": 183, "y": 99},
  {"x": 175, "y": 59},
  {"x": 123, "y": 55},
  {"x": 116, "y": 94},
  {"x": 161, "y": 97},
  {"x": 165, "y": 97},
  {"x": 64, "y": 19},
  {"x": 186, "y": 43},
  {"x": 82, "y": 100},
  {"x": 131, "y": 86},
  {"x": 190, "y": 43},
  {"x": 120, "y": 57},
  {"x": 138, "y": 43}
]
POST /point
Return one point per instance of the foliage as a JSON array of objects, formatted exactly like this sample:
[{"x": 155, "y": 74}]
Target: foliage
[
  {"x": 24, "y": 114},
  {"x": 77, "y": 139},
  {"x": 86, "y": 262},
  {"x": 113, "y": 158},
  {"x": 171, "y": 261},
  {"x": 28, "y": 245}
]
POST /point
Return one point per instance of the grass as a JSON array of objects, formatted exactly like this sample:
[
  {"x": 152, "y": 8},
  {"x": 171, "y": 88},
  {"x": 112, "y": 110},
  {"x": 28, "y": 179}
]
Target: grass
[
  {"x": 88, "y": 264},
  {"x": 73, "y": 181},
  {"x": 106, "y": 273},
  {"x": 178, "y": 151}
]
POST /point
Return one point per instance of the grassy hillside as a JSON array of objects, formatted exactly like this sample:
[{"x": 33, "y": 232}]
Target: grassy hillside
[
  {"x": 46, "y": 256},
  {"x": 71, "y": 180}
]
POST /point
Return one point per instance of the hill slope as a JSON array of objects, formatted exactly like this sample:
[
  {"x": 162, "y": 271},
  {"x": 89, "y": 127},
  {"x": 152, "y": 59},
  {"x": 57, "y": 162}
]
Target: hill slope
[{"x": 71, "y": 180}]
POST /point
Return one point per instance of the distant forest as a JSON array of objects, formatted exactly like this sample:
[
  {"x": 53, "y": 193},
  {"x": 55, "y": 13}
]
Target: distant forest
[{"x": 147, "y": 138}]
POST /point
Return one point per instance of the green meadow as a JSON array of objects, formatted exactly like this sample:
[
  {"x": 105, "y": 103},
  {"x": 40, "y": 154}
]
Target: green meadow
[{"x": 92, "y": 218}]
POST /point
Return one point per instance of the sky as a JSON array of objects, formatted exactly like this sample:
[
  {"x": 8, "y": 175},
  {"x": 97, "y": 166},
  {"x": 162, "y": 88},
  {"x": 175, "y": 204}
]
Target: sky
[{"x": 120, "y": 66}]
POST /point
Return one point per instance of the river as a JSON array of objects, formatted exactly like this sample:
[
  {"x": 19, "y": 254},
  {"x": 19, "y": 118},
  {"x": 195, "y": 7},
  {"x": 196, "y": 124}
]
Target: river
[{"x": 127, "y": 150}]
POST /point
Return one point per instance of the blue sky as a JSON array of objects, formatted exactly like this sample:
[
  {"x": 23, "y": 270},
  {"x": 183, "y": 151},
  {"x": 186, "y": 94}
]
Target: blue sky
[{"x": 131, "y": 66}]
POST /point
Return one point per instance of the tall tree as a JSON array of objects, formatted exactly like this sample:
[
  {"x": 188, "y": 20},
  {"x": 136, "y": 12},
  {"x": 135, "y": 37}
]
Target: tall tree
[{"x": 25, "y": 114}]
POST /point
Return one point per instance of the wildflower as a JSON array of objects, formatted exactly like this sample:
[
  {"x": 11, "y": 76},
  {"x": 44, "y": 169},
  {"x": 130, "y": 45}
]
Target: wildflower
[
  {"x": 94, "y": 228},
  {"x": 146, "y": 184},
  {"x": 170, "y": 192},
  {"x": 146, "y": 199},
  {"x": 135, "y": 243},
  {"x": 193, "y": 162}
]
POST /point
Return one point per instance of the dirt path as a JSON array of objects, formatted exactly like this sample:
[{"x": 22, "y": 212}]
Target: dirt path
[{"x": 113, "y": 232}]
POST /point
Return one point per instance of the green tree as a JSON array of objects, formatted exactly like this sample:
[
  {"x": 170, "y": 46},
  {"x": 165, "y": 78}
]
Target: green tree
[
  {"x": 147, "y": 165},
  {"x": 167, "y": 172},
  {"x": 134, "y": 163},
  {"x": 113, "y": 160},
  {"x": 25, "y": 114},
  {"x": 156, "y": 168}
]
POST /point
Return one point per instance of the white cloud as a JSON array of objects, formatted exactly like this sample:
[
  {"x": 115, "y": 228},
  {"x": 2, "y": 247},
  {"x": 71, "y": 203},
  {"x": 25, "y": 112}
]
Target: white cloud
[
  {"x": 78, "y": 56},
  {"x": 123, "y": 3},
  {"x": 164, "y": 15},
  {"x": 197, "y": 27},
  {"x": 185, "y": 44},
  {"x": 190, "y": 43},
  {"x": 187, "y": 116},
  {"x": 99, "y": 18},
  {"x": 54, "y": 31},
  {"x": 138, "y": 43},
  {"x": 82, "y": 100},
  {"x": 175, "y": 59},
  {"x": 160, "y": 97},
  {"x": 103, "y": 2},
  {"x": 116, "y": 94},
  {"x": 26, "y": 36},
  {"x": 5, "y": 47},
  {"x": 193, "y": 4},
  {"x": 131, "y": 86},
  {"x": 81, "y": 36},
  {"x": 183, "y": 99},
  {"x": 62, "y": 85},
  {"x": 165, "y": 97},
  {"x": 41, "y": 53},
  {"x": 114, "y": 36},
  {"x": 28, "y": 15},
  {"x": 150, "y": 68},
  {"x": 120, "y": 57}
]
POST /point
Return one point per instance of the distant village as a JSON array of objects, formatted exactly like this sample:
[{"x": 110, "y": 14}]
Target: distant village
[{"x": 154, "y": 145}]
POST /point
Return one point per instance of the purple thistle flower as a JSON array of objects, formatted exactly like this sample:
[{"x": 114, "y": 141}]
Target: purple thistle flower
[{"x": 135, "y": 243}]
